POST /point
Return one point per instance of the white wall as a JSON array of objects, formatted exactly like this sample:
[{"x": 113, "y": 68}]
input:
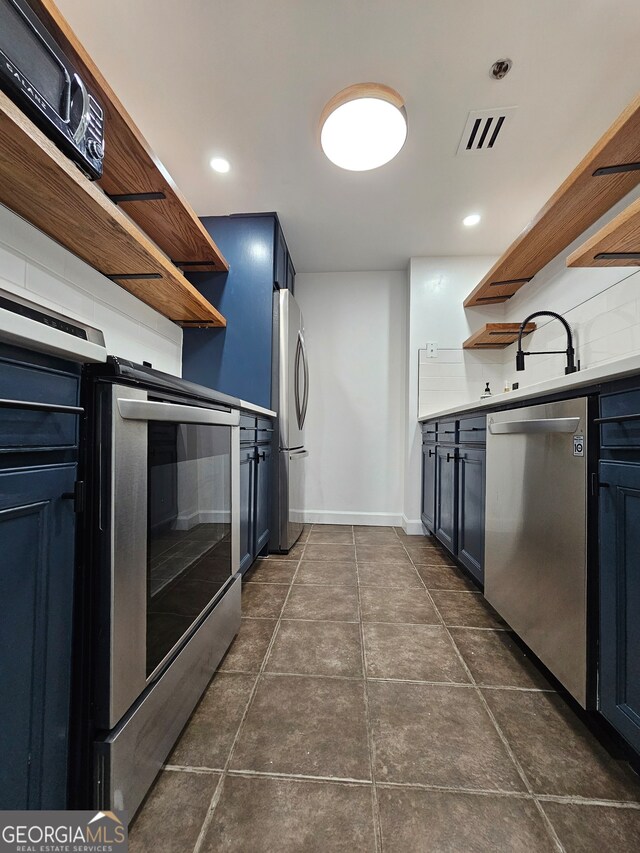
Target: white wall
[
  {"x": 356, "y": 337},
  {"x": 39, "y": 269}
]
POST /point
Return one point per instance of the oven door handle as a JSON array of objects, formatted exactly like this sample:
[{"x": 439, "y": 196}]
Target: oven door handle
[{"x": 152, "y": 410}]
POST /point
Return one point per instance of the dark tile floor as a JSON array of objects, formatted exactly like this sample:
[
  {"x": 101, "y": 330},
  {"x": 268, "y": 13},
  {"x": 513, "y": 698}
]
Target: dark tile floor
[{"x": 373, "y": 701}]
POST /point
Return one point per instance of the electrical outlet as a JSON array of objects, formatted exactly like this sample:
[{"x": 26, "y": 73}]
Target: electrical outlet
[{"x": 431, "y": 348}]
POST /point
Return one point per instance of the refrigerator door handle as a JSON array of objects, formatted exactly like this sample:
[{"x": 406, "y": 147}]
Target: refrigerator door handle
[
  {"x": 298, "y": 454},
  {"x": 296, "y": 381},
  {"x": 305, "y": 364}
]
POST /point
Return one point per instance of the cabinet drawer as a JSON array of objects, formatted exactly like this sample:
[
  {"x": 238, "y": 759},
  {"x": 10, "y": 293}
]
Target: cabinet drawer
[
  {"x": 472, "y": 430},
  {"x": 264, "y": 431},
  {"x": 22, "y": 429},
  {"x": 620, "y": 433},
  {"x": 447, "y": 432},
  {"x": 248, "y": 425},
  {"x": 429, "y": 433}
]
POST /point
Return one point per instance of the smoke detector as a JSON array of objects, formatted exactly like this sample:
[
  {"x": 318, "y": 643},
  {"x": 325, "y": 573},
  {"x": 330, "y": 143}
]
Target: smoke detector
[{"x": 484, "y": 129}]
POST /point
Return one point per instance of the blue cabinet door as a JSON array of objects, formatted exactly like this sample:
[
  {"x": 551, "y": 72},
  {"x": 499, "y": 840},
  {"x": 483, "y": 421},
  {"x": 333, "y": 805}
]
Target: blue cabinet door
[
  {"x": 471, "y": 479},
  {"x": 263, "y": 497},
  {"x": 619, "y": 681},
  {"x": 428, "y": 513},
  {"x": 446, "y": 497},
  {"x": 37, "y": 529},
  {"x": 247, "y": 500}
]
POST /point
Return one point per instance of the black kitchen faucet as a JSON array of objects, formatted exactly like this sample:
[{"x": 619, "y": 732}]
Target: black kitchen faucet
[{"x": 569, "y": 352}]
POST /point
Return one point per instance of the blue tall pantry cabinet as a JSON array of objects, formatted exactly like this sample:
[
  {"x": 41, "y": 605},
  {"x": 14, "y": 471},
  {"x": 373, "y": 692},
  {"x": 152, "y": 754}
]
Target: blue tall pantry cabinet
[
  {"x": 237, "y": 359},
  {"x": 38, "y": 469}
]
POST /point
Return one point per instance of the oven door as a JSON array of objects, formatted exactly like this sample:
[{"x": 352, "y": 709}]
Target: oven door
[{"x": 174, "y": 500}]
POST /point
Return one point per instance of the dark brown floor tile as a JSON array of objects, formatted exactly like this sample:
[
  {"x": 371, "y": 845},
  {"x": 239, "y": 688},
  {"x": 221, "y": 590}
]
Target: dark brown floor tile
[
  {"x": 327, "y": 572},
  {"x": 375, "y": 536},
  {"x": 383, "y": 527},
  {"x": 397, "y": 605},
  {"x": 271, "y": 570},
  {"x": 445, "y": 577},
  {"x": 388, "y": 575},
  {"x": 294, "y": 553},
  {"x": 342, "y": 553},
  {"x": 267, "y": 815},
  {"x": 382, "y": 553},
  {"x": 331, "y": 537},
  {"x": 333, "y": 603},
  {"x": 494, "y": 658},
  {"x": 415, "y": 652},
  {"x": 338, "y": 528},
  {"x": 263, "y": 599},
  {"x": 437, "y": 735},
  {"x": 305, "y": 533},
  {"x": 208, "y": 736},
  {"x": 317, "y": 648},
  {"x": 468, "y": 609},
  {"x": 437, "y": 821},
  {"x": 304, "y": 725},
  {"x": 585, "y": 829},
  {"x": 174, "y": 811},
  {"x": 247, "y": 651},
  {"x": 400, "y": 532},
  {"x": 556, "y": 750},
  {"x": 429, "y": 557}
]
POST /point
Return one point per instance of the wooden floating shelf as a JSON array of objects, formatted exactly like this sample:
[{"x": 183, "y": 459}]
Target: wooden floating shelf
[
  {"x": 131, "y": 167},
  {"x": 46, "y": 188},
  {"x": 496, "y": 335},
  {"x": 608, "y": 172},
  {"x": 617, "y": 244}
]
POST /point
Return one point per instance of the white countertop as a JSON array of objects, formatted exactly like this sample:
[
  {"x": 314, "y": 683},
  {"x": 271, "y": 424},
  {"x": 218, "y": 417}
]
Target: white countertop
[
  {"x": 257, "y": 410},
  {"x": 606, "y": 372}
]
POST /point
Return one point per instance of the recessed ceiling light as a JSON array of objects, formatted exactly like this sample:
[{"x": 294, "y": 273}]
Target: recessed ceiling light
[
  {"x": 471, "y": 220},
  {"x": 363, "y": 127},
  {"x": 219, "y": 164}
]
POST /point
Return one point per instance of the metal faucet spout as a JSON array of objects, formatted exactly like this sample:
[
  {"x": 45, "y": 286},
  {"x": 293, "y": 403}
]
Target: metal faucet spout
[{"x": 569, "y": 352}]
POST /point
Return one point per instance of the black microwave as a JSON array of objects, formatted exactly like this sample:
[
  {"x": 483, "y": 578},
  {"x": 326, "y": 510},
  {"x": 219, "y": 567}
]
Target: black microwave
[{"x": 35, "y": 73}]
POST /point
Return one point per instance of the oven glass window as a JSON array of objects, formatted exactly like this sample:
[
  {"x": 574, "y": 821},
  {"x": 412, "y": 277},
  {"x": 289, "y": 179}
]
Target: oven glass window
[{"x": 189, "y": 528}]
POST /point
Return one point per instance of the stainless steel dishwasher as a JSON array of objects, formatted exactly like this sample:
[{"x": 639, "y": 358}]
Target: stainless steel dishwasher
[{"x": 536, "y": 532}]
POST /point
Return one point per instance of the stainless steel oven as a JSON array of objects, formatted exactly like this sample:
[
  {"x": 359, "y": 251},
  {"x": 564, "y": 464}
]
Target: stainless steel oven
[{"x": 167, "y": 556}]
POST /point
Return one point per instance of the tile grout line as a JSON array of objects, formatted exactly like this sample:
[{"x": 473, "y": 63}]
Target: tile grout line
[
  {"x": 377, "y": 825},
  {"x": 219, "y": 787},
  {"x": 551, "y": 832}
]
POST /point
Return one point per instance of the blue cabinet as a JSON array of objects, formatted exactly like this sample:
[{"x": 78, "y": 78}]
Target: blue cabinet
[
  {"x": 38, "y": 471},
  {"x": 428, "y": 512},
  {"x": 237, "y": 359},
  {"x": 255, "y": 488},
  {"x": 619, "y": 682},
  {"x": 37, "y": 529},
  {"x": 471, "y": 503},
  {"x": 446, "y": 488}
]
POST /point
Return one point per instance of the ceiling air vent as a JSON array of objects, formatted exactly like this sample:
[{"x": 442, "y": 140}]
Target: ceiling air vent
[{"x": 484, "y": 129}]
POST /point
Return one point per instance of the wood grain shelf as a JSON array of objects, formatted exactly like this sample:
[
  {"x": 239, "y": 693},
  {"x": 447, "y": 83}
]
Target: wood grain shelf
[
  {"x": 131, "y": 167},
  {"x": 43, "y": 186},
  {"x": 617, "y": 244},
  {"x": 496, "y": 335},
  {"x": 608, "y": 172}
]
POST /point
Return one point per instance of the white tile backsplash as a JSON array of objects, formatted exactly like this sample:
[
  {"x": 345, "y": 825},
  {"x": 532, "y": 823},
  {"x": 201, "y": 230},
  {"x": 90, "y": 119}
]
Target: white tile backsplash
[{"x": 40, "y": 269}]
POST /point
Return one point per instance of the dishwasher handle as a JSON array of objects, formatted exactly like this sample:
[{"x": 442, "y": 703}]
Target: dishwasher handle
[{"x": 535, "y": 426}]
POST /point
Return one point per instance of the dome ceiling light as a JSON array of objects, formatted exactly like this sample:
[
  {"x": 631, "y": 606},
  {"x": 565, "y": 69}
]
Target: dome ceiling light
[{"x": 363, "y": 127}]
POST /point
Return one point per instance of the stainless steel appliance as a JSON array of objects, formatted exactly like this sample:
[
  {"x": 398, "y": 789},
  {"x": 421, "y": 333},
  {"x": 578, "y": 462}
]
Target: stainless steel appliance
[
  {"x": 35, "y": 73},
  {"x": 166, "y": 553},
  {"x": 290, "y": 397},
  {"x": 536, "y": 532}
]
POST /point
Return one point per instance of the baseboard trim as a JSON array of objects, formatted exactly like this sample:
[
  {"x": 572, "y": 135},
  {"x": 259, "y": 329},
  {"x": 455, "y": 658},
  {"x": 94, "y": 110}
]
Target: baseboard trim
[
  {"x": 412, "y": 527},
  {"x": 374, "y": 519}
]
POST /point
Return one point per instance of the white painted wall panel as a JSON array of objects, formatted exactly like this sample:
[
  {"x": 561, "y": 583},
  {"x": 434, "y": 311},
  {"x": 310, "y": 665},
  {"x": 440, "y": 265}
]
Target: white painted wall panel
[{"x": 356, "y": 337}]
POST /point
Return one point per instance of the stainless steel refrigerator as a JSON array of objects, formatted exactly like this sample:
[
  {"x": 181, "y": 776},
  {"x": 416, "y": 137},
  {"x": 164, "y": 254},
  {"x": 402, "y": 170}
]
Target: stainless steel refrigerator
[{"x": 290, "y": 396}]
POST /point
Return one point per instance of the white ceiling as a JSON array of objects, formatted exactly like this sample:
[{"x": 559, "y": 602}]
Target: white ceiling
[{"x": 247, "y": 80}]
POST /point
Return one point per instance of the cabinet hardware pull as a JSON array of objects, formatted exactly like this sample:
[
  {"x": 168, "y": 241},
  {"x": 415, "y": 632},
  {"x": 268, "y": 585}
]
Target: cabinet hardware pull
[
  {"x": 431, "y": 452},
  {"x": 616, "y": 419},
  {"x": 41, "y": 407}
]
